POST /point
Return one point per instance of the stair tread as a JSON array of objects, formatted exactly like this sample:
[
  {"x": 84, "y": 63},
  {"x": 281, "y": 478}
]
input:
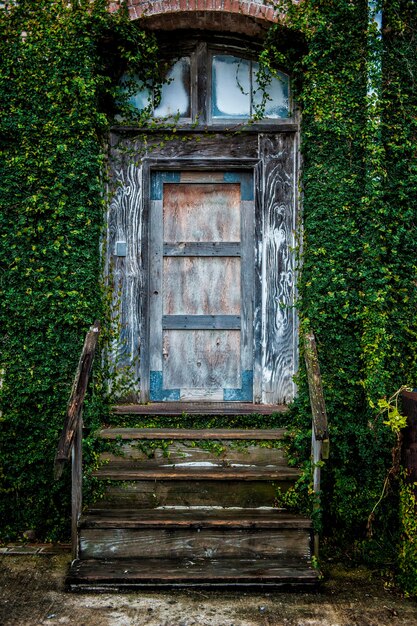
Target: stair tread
[
  {"x": 200, "y": 408},
  {"x": 186, "y": 572},
  {"x": 194, "y": 434},
  {"x": 201, "y": 518},
  {"x": 140, "y": 471}
]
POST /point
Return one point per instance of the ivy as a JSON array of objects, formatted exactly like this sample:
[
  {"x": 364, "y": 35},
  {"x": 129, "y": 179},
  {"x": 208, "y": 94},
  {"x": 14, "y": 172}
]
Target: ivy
[
  {"x": 357, "y": 286},
  {"x": 59, "y": 69},
  {"x": 60, "y": 65}
]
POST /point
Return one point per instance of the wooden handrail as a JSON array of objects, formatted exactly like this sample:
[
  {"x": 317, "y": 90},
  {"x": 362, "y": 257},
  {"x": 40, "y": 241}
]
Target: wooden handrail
[
  {"x": 76, "y": 401},
  {"x": 320, "y": 432},
  {"x": 318, "y": 407}
]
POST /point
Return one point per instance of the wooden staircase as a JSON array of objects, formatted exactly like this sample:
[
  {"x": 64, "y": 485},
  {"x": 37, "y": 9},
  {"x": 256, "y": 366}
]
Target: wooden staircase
[
  {"x": 194, "y": 509},
  {"x": 189, "y": 507}
]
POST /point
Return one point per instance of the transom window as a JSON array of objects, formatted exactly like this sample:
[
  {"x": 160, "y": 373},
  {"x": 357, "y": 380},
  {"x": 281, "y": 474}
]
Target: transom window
[{"x": 213, "y": 86}]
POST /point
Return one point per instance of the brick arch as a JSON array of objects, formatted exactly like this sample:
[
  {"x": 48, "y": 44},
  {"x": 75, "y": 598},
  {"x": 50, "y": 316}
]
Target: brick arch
[{"x": 249, "y": 17}]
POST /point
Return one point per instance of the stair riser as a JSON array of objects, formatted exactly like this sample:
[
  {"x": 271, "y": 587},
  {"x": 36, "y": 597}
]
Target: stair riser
[
  {"x": 194, "y": 544},
  {"x": 151, "y": 494},
  {"x": 180, "y": 453}
]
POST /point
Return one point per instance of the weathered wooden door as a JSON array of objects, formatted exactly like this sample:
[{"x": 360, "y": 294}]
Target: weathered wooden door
[{"x": 201, "y": 286}]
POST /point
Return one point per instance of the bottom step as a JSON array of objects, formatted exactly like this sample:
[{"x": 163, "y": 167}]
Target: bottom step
[{"x": 125, "y": 575}]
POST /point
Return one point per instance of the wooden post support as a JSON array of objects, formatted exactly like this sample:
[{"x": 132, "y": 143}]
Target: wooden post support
[{"x": 409, "y": 444}]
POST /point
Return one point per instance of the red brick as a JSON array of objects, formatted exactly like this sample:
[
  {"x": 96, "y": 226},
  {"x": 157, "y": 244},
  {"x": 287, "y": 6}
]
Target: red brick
[
  {"x": 183, "y": 5},
  {"x": 270, "y": 14},
  {"x": 218, "y": 5},
  {"x": 235, "y": 6},
  {"x": 227, "y": 5}
]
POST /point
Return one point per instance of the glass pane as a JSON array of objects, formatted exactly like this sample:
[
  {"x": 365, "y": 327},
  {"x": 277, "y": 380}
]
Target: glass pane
[
  {"x": 142, "y": 98},
  {"x": 276, "y": 92},
  {"x": 175, "y": 93},
  {"x": 231, "y": 87}
]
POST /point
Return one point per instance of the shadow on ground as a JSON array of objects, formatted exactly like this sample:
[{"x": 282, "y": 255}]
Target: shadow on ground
[{"x": 32, "y": 593}]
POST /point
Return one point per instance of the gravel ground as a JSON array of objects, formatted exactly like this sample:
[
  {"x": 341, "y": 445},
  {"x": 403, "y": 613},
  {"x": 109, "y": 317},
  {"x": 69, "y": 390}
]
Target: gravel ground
[{"x": 32, "y": 593}]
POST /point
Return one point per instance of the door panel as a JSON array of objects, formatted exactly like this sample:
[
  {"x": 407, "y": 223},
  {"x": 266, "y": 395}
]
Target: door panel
[
  {"x": 197, "y": 286},
  {"x": 201, "y": 212},
  {"x": 201, "y": 286}
]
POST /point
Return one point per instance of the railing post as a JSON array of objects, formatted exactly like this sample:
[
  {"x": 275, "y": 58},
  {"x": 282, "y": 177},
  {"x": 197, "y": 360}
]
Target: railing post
[
  {"x": 319, "y": 430},
  {"x": 76, "y": 486}
]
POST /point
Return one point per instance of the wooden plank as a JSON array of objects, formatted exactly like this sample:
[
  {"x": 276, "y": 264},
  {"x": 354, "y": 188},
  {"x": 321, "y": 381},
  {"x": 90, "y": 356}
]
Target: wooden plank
[
  {"x": 247, "y": 283},
  {"x": 148, "y": 494},
  {"x": 128, "y": 574},
  {"x": 120, "y": 472},
  {"x": 201, "y": 286},
  {"x": 205, "y": 148},
  {"x": 201, "y": 359},
  {"x": 76, "y": 487},
  {"x": 200, "y": 408},
  {"x": 201, "y": 212},
  {"x": 192, "y": 518},
  {"x": 180, "y": 452},
  {"x": 257, "y": 288},
  {"x": 318, "y": 407},
  {"x": 155, "y": 286},
  {"x": 76, "y": 400},
  {"x": 227, "y": 434},
  {"x": 202, "y": 249},
  {"x": 195, "y": 543},
  {"x": 125, "y": 222},
  {"x": 278, "y": 279},
  {"x": 201, "y": 322}
]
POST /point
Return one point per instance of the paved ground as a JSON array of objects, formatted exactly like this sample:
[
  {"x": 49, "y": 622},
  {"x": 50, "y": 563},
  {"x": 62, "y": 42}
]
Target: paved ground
[{"x": 31, "y": 593}]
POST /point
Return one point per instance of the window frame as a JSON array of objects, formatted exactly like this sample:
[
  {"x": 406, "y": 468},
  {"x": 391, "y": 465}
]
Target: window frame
[{"x": 201, "y": 54}]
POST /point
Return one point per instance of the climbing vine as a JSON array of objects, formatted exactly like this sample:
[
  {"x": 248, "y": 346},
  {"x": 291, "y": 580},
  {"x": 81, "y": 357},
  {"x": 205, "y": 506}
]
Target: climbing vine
[
  {"x": 60, "y": 64},
  {"x": 59, "y": 71},
  {"x": 357, "y": 288}
]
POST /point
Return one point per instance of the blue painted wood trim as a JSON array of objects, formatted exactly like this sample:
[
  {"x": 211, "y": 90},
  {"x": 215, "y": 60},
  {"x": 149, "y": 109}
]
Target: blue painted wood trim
[
  {"x": 246, "y": 183},
  {"x": 245, "y": 393},
  {"x": 157, "y": 181},
  {"x": 157, "y": 393}
]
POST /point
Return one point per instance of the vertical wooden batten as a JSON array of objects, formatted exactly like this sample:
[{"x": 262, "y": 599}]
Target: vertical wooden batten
[{"x": 278, "y": 281}]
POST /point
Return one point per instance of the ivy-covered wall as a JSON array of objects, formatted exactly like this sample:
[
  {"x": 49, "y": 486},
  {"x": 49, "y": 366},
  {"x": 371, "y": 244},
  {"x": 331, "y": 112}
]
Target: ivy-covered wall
[{"x": 59, "y": 63}]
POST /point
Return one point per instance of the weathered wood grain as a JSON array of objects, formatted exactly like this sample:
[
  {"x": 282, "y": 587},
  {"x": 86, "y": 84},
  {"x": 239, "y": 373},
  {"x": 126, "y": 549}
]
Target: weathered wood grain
[
  {"x": 125, "y": 223},
  {"x": 76, "y": 401},
  {"x": 227, "y": 493},
  {"x": 182, "y": 452},
  {"x": 136, "y": 471},
  {"x": 201, "y": 359},
  {"x": 278, "y": 573},
  {"x": 200, "y": 408},
  {"x": 201, "y": 286},
  {"x": 201, "y": 212},
  {"x": 221, "y": 434},
  {"x": 318, "y": 406},
  {"x": 195, "y": 519},
  {"x": 206, "y": 543},
  {"x": 278, "y": 280}
]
